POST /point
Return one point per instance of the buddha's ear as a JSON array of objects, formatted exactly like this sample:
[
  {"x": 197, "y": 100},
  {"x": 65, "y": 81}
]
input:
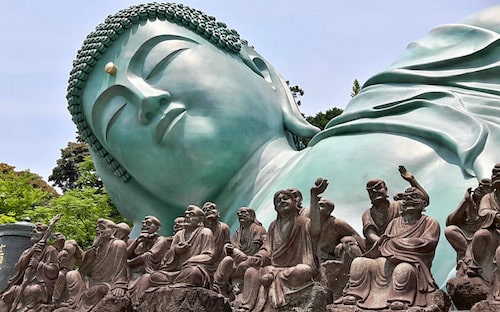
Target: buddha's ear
[
  {"x": 295, "y": 123},
  {"x": 257, "y": 65},
  {"x": 293, "y": 120}
]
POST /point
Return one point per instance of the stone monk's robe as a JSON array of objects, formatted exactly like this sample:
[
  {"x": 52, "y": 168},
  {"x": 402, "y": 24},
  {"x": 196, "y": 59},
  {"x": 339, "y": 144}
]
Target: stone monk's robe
[
  {"x": 408, "y": 278},
  {"x": 189, "y": 268},
  {"x": 293, "y": 263}
]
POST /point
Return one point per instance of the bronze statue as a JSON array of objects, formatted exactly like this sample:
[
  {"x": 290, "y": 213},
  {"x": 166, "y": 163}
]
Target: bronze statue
[
  {"x": 186, "y": 262},
  {"x": 383, "y": 211},
  {"x": 230, "y": 131},
  {"x": 102, "y": 273},
  {"x": 288, "y": 257},
  {"x": 478, "y": 261},
  {"x": 245, "y": 242},
  {"x": 462, "y": 223},
  {"x": 145, "y": 253},
  {"x": 396, "y": 273},
  {"x": 36, "y": 272}
]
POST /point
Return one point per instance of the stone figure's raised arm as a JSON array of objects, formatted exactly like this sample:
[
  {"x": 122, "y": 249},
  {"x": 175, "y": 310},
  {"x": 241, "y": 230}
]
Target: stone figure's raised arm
[
  {"x": 405, "y": 174},
  {"x": 319, "y": 187},
  {"x": 458, "y": 215}
]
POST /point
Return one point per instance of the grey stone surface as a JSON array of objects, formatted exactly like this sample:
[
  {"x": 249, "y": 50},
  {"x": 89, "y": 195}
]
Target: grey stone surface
[{"x": 14, "y": 239}]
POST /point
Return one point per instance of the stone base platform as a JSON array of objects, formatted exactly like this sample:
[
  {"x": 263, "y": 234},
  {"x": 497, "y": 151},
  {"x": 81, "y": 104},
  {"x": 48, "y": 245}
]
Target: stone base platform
[
  {"x": 466, "y": 291},
  {"x": 184, "y": 299}
]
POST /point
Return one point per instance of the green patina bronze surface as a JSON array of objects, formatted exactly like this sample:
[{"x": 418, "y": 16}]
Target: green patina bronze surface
[{"x": 193, "y": 114}]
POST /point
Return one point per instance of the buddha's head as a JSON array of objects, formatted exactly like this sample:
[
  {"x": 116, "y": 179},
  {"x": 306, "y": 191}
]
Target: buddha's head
[{"x": 170, "y": 97}]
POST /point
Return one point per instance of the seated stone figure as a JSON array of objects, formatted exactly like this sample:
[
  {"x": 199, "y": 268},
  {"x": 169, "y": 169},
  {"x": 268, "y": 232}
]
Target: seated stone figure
[
  {"x": 145, "y": 253},
  {"x": 462, "y": 223},
  {"x": 123, "y": 232},
  {"x": 336, "y": 247},
  {"x": 337, "y": 238},
  {"x": 219, "y": 229},
  {"x": 32, "y": 285},
  {"x": 102, "y": 273},
  {"x": 216, "y": 115},
  {"x": 478, "y": 261},
  {"x": 383, "y": 211},
  {"x": 69, "y": 256},
  {"x": 287, "y": 259},
  {"x": 178, "y": 224},
  {"x": 186, "y": 262},
  {"x": 397, "y": 274},
  {"x": 245, "y": 242}
]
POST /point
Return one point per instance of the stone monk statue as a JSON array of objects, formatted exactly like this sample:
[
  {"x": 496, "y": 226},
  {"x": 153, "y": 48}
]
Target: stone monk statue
[
  {"x": 219, "y": 123},
  {"x": 396, "y": 273}
]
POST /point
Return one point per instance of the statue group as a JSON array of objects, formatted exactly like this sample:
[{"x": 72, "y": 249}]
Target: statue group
[
  {"x": 180, "y": 111},
  {"x": 306, "y": 257}
]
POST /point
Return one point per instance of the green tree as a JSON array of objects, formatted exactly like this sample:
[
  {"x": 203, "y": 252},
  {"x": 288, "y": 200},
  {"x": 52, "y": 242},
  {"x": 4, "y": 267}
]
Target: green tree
[
  {"x": 321, "y": 119},
  {"x": 80, "y": 207},
  {"x": 66, "y": 174},
  {"x": 356, "y": 88},
  {"x": 20, "y": 191},
  {"x": 80, "y": 210},
  {"x": 88, "y": 176},
  {"x": 296, "y": 92}
]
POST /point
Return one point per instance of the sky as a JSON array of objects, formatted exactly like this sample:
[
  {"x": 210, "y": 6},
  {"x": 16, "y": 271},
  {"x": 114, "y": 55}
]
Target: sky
[{"x": 322, "y": 46}]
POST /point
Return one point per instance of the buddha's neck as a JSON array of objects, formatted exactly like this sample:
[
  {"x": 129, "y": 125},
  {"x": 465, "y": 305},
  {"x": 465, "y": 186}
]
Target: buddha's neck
[{"x": 266, "y": 165}]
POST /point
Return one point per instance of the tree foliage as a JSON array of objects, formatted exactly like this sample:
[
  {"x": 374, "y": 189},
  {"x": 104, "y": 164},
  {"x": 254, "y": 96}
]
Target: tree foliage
[
  {"x": 321, "y": 119},
  {"x": 356, "y": 88},
  {"x": 80, "y": 210},
  {"x": 20, "y": 191},
  {"x": 23, "y": 194},
  {"x": 66, "y": 174},
  {"x": 81, "y": 206}
]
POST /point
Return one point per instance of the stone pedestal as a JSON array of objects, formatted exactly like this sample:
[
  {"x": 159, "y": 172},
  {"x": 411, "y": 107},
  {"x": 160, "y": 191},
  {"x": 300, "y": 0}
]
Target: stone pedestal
[
  {"x": 486, "y": 306},
  {"x": 183, "y": 300},
  {"x": 466, "y": 291},
  {"x": 437, "y": 301},
  {"x": 14, "y": 239}
]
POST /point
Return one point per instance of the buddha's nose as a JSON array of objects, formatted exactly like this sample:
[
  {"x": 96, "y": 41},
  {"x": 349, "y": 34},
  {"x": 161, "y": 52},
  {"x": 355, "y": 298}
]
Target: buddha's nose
[{"x": 151, "y": 105}]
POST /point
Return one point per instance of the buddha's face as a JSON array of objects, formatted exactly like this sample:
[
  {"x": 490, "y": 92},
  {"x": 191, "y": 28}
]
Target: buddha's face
[{"x": 179, "y": 114}]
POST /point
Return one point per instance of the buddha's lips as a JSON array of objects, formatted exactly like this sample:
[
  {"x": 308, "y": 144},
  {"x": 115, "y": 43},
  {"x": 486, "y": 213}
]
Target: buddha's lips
[{"x": 171, "y": 116}]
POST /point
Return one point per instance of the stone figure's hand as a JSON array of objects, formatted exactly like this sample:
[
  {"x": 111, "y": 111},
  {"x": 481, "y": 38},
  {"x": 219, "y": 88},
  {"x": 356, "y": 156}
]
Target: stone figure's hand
[
  {"x": 339, "y": 249},
  {"x": 319, "y": 187},
  {"x": 405, "y": 174},
  {"x": 228, "y": 248},
  {"x": 142, "y": 237},
  {"x": 118, "y": 292},
  {"x": 38, "y": 247},
  {"x": 33, "y": 262},
  {"x": 254, "y": 261}
]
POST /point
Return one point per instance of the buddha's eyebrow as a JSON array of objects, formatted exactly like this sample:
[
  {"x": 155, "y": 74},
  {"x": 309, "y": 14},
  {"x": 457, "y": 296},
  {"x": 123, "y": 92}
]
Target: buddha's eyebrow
[{"x": 154, "y": 54}]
